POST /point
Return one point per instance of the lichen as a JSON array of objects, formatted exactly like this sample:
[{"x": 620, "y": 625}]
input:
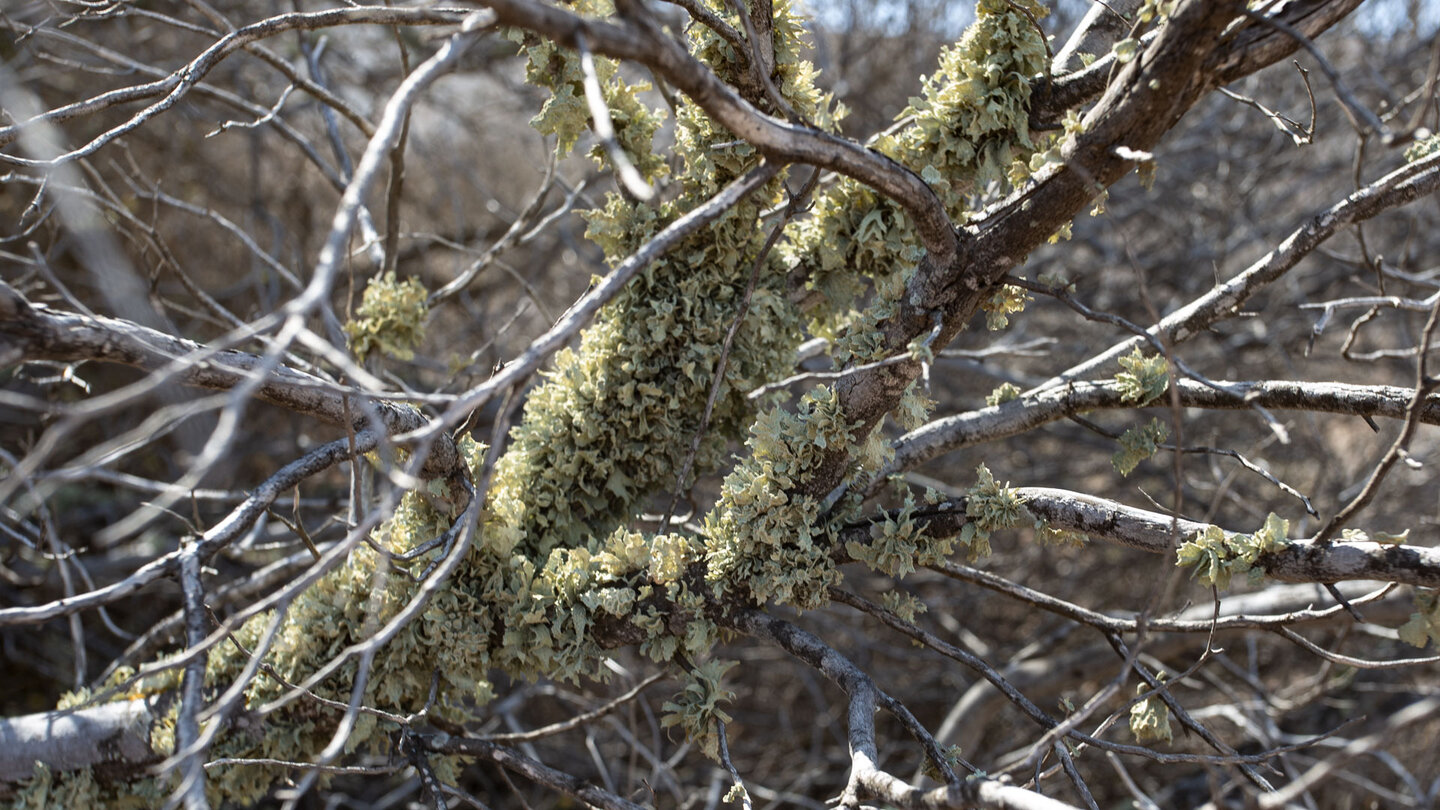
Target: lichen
[
  {"x": 1218, "y": 555},
  {"x": 894, "y": 542},
  {"x": 1054, "y": 536},
  {"x": 616, "y": 417},
  {"x": 1144, "y": 379},
  {"x": 1424, "y": 624},
  {"x": 991, "y": 506},
  {"x": 47, "y": 789},
  {"x": 762, "y": 539},
  {"x": 902, "y": 604},
  {"x": 1007, "y": 300},
  {"x": 1150, "y": 719},
  {"x": 697, "y": 708},
  {"x": 1384, "y": 538},
  {"x": 1004, "y": 393},
  {"x": 965, "y": 130},
  {"x": 1422, "y": 149},
  {"x": 390, "y": 318},
  {"x": 1138, "y": 444}
]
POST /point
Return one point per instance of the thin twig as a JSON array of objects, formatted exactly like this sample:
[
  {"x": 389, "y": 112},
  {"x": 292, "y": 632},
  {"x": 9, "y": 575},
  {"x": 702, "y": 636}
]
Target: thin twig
[{"x": 605, "y": 128}]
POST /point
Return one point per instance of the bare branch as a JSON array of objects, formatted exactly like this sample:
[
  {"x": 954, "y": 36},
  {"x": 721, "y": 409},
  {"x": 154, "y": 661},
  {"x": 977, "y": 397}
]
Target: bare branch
[
  {"x": 1046, "y": 405},
  {"x": 178, "y": 83},
  {"x": 866, "y": 778},
  {"x": 236, "y": 523},
  {"x": 35, "y": 332}
]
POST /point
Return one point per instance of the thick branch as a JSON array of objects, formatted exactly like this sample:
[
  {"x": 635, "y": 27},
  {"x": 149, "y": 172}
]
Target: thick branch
[
  {"x": 1147, "y": 98},
  {"x": 66, "y": 740}
]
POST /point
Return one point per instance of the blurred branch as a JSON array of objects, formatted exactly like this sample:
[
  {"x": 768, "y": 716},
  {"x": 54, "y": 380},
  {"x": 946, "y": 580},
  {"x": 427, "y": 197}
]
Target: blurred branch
[
  {"x": 1102, "y": 26},
  {"x": 178, "y": 83},
  {"x": 538, "y": 772},
  {"x": 1391, "y": 726},
  {"x": 226, "y": 531}
]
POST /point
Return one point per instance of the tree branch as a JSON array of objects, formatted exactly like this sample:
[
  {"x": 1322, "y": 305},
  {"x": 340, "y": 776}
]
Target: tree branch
[
  {"x": 36, "y": 332},
  {"x": 1300, "y": 561},
  {"x": 1047, "y": 405},
  {"x": 641, "y": 42},
  {"x": 867, "y": 780}
]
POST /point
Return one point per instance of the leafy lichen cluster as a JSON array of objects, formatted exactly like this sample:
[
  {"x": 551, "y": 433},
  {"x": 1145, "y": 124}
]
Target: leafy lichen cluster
[
  {"x": 1150, "y": 718},
  {"x": 898, "y": 544},
  {"x": 1422, "y": 149},
  {"x": 616, "y": 418},
  {"x": 47, "y": 790},
  {"x": 1218, "y": 555},
  {"x": 968, "y": 128},
  {"x": 763, "y": 538},
  {"x": 390, "y": 318},
  {"x": 697, "y": 708},
  {"x": 1144, "y": 379},
  {"x": 1138, "y": 444},
  {"x": 991, "y": 507},
  {"x": 1424, "y": 624}
]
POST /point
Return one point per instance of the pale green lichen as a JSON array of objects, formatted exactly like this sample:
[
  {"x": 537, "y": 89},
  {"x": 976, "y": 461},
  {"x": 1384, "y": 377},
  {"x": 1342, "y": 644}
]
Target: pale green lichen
[
  {"x": 1384, "y": 538},
  {"x": 616, "y": 417},
  {"x": 1007, "y": 300},
  {"x": 1138, "y": 444},
  {"x": 1422, "y": 149},
  {"x": 895, "y": 542},
  {"x": 1144, "y": 379},
  {"x": 1150, "y": 719},
  {"x": 566, "y": 113},
  {"x": 951, "y": 754},
  {"x": 697, "y": 708},
  {"x": 991, "y": 506},
  {"x": 762, "y": 538},
  {"x": 902, "y": 604},
  {"x": 1218, "y": 555},
  {"x": 914, "y": 407},
  {"x": 1424, "y": 624},
  {"x": 1002, "y": 394},
  {"x": 966, "y": 129},
  {"x": 1060, "y": 537},
  {"x": 1155, "y": 9},
  {"x": 1126, "y": 50},
  {"x": 47, "y": 790},
  {"x": 390, "y": 318}
]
